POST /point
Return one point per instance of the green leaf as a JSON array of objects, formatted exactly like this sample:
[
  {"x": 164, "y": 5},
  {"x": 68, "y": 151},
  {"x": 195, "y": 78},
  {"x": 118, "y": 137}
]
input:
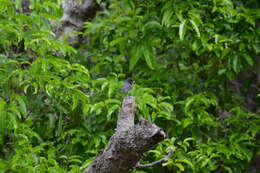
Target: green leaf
[
  {"x": 185, "y": 160},
  {"x": 60, "y": 127},
  {"x": 228, "y": 169},
  {"x": 113, "y": 101},
  {"x": 111, "y": 110},
  {"x": 141, "y": 105},
  {"x": 148, "y": 56},
  {"x": 248, "y": 59},
  {"x": 17, "y": 112},
  {"x": 153, "y": 24},
  {"x": 194, "y": 25},
  {"x": 104, "y": 86},
  {"x": 182, "y": 29},
  {"x": 196, "y": 45},
  {"x": 135, "y": 56},
  {"x": 12, "y": 121},
  {"x": 166, "y": 17},
  {"x": 87, "y": 163},
  {"x": 187, "y": 104},
  {"x": 22, "y": 106},
  {"x": 74, "y": 161},
  {"x": 205, "y": 162},
  {"x": 97, "y": 108},
  {"x": 189, "y": 139},
  {"x": 120, "y": 40},
  {"x": 75, "y": 100},
  {"x": 235, "y": 64},
  {"x": 186, "y": 122},
  {"x": 178, "y": 165},
  {"x": 150, "y": 100},
  {"x": 63, "y": 157},
  {"x": 86, "y": 109},
  {"x": 167, "y": 106},
  {"x": 168, "y": 116},
  {"x": 222, "y": 71}
]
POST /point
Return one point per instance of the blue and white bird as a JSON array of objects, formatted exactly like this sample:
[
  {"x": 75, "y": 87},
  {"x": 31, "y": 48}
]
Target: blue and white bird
[{"x": 127, "y": 85}]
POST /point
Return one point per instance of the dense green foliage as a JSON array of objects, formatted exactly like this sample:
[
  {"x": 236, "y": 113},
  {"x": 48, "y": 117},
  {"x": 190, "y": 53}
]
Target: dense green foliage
[{"x": 58, "y": 105}]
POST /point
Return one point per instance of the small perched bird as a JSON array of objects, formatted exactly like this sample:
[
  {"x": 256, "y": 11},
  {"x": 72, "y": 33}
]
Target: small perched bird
[{"x": 127, "y": 85}]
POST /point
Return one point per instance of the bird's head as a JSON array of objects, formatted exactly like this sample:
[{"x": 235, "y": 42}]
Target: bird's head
[{"x": 129, "y": 80}]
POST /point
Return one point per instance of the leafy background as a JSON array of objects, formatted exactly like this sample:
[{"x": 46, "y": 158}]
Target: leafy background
[{"x": 58, "y": 104}]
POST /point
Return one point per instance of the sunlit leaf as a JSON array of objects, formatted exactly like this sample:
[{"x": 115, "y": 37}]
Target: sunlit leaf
[
  {"x": 182, "y": 29},
  {"x": 195, "y": 26}
]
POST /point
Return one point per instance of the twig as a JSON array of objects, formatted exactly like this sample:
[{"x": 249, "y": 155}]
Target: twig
[{"x": 165, "y": 159}]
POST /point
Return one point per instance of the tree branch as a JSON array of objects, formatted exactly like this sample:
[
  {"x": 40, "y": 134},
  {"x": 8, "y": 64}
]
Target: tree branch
[{"x": 127, "y": 145}]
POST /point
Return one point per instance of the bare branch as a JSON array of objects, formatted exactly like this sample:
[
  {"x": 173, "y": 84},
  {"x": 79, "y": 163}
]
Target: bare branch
[{"x": 163, "y": 160}]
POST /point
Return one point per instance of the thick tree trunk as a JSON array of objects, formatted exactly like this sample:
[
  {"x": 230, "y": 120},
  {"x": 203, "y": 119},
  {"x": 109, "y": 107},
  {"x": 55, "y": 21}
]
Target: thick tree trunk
[
  {"x": 75, "y": 13},
  {"x": 128, "y": 144}
]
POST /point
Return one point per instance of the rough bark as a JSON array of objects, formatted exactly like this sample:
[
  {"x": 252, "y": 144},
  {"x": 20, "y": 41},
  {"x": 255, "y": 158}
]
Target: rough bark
[
  {"x": 75, "y": 13},
  {"x": 128, "y": 144}
]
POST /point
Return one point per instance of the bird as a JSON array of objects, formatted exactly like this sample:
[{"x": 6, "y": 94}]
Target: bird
[{"x": 127, "y": 85}]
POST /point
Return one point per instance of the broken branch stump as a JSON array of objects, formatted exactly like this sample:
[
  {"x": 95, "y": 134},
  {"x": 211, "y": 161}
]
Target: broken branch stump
[{"x": 127, "y": 145}]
